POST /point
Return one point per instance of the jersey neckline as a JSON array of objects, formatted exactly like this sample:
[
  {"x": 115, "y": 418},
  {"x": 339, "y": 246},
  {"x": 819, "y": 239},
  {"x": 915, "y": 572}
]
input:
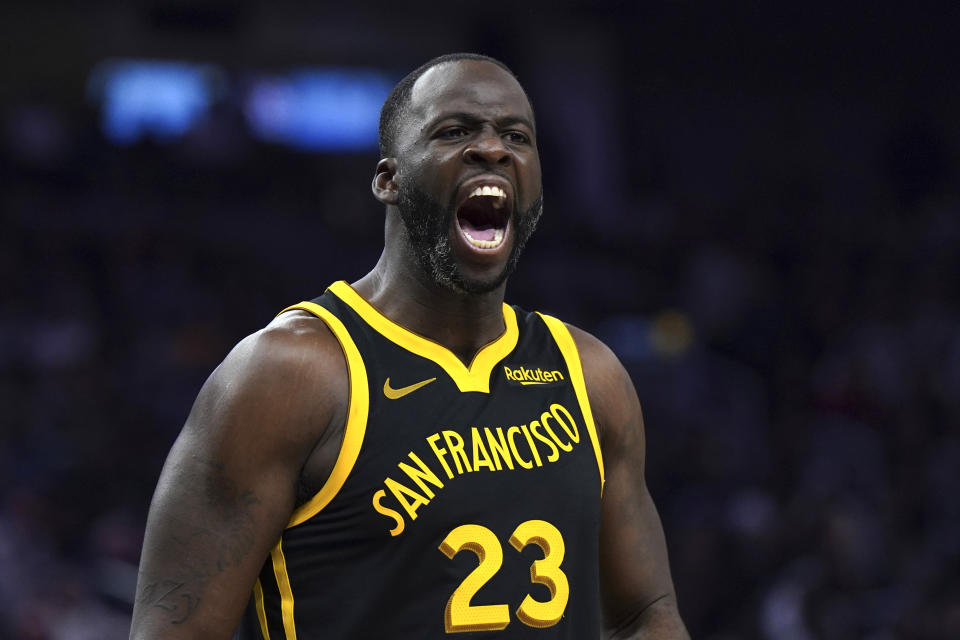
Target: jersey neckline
[{"x": 475, "y": 377}]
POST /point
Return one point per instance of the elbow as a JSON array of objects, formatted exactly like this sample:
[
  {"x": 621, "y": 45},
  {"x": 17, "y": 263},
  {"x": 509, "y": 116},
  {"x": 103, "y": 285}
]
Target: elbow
[{"x": 657, "y": 619}]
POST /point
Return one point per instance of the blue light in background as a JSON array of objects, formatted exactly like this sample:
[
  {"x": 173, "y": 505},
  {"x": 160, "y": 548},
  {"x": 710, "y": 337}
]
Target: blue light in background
[
  {"x": 141, "y": 98},
  {"x": 321, "y": 110},
  {"x": 318, "y": 110}
]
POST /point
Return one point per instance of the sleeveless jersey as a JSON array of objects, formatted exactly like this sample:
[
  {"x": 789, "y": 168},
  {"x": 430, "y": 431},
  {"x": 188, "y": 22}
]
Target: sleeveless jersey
[{"x": 465, "y": 500}]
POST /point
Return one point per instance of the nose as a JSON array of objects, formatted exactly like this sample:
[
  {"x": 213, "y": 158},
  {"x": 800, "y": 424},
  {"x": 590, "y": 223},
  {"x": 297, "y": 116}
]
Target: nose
[{"x": 487, "y": 147}]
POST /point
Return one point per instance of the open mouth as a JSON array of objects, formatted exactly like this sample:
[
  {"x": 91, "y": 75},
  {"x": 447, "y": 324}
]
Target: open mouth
[{"x": 483, "y": 217}]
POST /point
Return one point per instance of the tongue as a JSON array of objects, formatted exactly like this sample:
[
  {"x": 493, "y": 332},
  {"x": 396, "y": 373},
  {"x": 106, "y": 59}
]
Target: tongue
[{"x": 478, "y": 232}]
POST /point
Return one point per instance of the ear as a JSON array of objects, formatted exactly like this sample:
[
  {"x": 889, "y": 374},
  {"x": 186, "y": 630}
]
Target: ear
[{"x": 384, "y": 184}]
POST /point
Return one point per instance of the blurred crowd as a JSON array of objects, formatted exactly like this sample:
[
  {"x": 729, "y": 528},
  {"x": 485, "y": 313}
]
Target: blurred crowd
[{"x": 780, "y": 281}]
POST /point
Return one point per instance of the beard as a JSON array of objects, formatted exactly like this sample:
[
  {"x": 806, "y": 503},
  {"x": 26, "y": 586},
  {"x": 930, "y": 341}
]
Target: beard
[{"x": 428, "y": 224}]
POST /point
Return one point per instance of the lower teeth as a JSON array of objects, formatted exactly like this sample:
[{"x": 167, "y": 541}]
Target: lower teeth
[{"x": 486, "y": 244}]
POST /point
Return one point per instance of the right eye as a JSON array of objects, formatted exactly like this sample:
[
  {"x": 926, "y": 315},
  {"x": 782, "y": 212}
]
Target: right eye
[{"x": 452, "y": 133}]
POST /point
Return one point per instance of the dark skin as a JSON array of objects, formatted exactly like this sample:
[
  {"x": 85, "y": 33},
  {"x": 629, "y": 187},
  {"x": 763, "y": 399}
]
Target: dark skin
[{"x": 265, "y": 429}]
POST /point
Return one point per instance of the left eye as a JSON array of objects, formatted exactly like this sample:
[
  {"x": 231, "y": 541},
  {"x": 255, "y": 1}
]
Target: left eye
[{"x": 516, "y": 137}]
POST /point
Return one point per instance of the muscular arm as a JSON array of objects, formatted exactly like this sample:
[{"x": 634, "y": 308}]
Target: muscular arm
[
  {"x": 636, "y": 588},
  {"x": 229, "y": 484}
]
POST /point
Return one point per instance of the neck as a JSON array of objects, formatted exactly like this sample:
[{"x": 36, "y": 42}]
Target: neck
[{"x": 463, "y": 323}]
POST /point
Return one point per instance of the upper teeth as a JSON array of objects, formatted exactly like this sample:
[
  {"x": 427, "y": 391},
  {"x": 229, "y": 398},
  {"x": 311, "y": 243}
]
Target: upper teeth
[{"x": 487, "y": 190}]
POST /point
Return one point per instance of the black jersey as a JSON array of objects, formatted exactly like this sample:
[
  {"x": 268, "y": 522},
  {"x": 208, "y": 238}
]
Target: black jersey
[{"x": 464, "y": 500}]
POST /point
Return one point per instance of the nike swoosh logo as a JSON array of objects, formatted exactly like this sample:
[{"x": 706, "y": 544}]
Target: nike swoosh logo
[{"x": 393, "y": 394}]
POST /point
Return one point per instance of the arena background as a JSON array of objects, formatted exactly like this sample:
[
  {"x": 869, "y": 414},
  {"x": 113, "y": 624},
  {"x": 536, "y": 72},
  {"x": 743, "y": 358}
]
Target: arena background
[{"x": 754, "y": 204}]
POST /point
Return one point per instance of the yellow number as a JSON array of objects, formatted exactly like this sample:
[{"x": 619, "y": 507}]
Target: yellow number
[
  {"x": 460, "y": 615},
  {"x": 547, "y": 572}
]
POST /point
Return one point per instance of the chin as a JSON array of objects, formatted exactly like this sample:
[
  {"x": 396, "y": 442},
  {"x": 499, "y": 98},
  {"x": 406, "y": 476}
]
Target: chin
[
  {"x": 444, "y": 273},
  {"x": 464, "y": 284}
]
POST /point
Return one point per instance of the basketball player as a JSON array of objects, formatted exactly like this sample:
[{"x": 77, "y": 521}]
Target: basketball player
[{"x": 407, "y": 456}]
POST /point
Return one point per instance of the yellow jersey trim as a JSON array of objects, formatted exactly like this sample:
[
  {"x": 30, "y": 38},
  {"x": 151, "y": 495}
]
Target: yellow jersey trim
[
  {"x": 572, "y": 356},
  {"x": 286, "y": 593},
  {"x": 358, "y": 409},
  {"x": 261, "y": 612},
  {"x": 475, "y": 377}
]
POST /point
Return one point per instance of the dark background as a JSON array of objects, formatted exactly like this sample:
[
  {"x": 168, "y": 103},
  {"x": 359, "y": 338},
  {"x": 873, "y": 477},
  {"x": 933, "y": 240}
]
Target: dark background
[{"x": 755, "y": 205}]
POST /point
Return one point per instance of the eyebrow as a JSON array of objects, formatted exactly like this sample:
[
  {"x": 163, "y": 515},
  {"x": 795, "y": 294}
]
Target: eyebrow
[{"x": 471, "y": 119}]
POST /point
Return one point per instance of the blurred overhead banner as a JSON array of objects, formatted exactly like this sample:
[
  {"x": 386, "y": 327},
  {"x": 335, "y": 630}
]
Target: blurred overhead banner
[
  {"x": 318, "y": 110},
  {"x": 160, "y": 100}
]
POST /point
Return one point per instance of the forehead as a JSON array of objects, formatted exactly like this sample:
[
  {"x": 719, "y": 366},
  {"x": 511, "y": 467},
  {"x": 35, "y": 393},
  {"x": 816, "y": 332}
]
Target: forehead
[{"x": 467, "y": 86}]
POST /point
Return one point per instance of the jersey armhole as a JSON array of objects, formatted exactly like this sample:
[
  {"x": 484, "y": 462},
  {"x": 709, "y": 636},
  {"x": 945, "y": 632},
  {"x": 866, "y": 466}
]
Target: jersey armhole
[
  {"x": 358, "y": 408},
  {"x": 561, "y": 335}
]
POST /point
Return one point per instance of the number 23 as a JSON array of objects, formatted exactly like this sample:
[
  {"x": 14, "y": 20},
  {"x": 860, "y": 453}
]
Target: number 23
[{"x": 460, "y": 615}]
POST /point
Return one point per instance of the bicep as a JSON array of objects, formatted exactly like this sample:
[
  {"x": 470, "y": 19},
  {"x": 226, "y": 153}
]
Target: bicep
[
  {"x": 224, "y": 496},
  {"x": 208, "y": 531},
  {"x": 634, "y": 569}
]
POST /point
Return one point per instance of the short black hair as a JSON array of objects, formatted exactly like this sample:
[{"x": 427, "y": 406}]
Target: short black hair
[{"x": 396, "y": 103}]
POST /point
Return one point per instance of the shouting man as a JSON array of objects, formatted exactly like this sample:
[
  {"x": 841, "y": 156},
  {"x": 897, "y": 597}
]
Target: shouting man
[{"x": 407, "y": 456}]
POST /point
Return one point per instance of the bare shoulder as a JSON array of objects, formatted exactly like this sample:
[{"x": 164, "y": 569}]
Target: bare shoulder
[
  {"x": 295, "y": 348},
  {"x": 613, "y": 398},
  {"x": 291, "y": 341},
  {"x": 595, "y": 355},
  {"x": 279, "y": 390}
]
